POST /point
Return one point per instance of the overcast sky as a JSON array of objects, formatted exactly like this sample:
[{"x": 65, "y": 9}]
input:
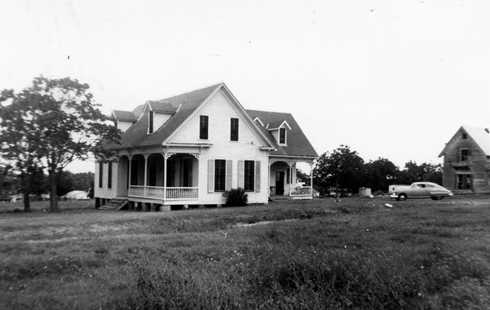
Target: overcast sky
[{"x": 389, "y": 78}]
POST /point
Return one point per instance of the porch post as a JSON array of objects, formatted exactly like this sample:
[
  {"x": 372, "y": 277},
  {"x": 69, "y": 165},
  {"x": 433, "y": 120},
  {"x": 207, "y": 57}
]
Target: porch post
[
  {"x": 290, "y": 179},
  {"x": 311, "y": 179},
  {"x": 165, "y": 176},
  {"x": 145, "y": 175},
  {"x": 129, "y": 172}
]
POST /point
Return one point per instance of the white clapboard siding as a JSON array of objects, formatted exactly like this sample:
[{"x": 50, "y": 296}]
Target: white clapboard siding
[
  {"x": 210, "y": 175},
  {"x": 241, "y": 174},
  {"x": 257, "y": 176}
]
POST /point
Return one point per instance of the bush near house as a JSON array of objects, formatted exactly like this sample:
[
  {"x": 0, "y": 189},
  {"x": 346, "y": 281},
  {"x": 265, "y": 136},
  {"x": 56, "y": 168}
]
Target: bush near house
[{"x": 236, "y": 197}]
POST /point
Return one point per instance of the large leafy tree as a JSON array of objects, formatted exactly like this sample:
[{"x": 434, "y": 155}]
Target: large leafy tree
[
  {"x": 380, "y": 173},
  {"x": 414, "y": 172},
  {"x": 342, "y": 168},
  {"x": 61, "y": 123},
  {"x": 19, "y": 139}
]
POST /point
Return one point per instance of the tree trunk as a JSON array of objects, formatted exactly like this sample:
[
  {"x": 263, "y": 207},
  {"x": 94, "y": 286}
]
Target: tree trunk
[
  {"x": 53, "y": 199},
  {"x": 27, "y": 202},
  {"x": 25, "y": 186}
]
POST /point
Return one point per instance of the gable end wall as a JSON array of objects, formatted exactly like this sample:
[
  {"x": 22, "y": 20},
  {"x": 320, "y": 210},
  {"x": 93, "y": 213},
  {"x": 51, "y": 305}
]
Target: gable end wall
[{"x": 478, "y": 165}]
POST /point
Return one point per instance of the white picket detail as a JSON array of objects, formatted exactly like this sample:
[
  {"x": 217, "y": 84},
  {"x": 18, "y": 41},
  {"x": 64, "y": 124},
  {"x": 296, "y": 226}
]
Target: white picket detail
[
  {"x": 157, "y": 192},
  {"x": 179, "y": 193}
]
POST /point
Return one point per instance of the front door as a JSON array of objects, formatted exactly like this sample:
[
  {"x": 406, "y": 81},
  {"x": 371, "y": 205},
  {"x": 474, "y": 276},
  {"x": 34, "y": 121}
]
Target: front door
[{"x": 279, "y": 182}]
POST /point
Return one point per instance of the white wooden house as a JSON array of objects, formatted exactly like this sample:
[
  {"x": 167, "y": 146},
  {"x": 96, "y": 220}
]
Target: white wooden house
[{"x": 191, "y": 148}]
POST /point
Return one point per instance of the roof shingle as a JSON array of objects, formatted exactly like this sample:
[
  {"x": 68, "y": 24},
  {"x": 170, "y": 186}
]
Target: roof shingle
[{"x": 297, "y": 143}]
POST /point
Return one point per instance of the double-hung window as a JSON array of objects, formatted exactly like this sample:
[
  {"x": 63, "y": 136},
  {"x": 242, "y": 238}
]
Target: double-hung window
[
  {"x": 109, "y": 175},
  {"x": 101, "y": 173},
  {"x": 234, "y": 129},
  {"x": 249, "y": 175},
  {"x": 464, "y": 155},
  {"x": 282, "y": 136},
  {"x": 150, "y": 122},
  {"x": 219, "y": 175},
  {"x": 203, "y": 127}
]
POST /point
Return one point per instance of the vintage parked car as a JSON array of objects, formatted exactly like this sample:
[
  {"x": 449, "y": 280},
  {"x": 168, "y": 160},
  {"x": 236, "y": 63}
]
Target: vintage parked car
[{"x": 419, "y": 190}]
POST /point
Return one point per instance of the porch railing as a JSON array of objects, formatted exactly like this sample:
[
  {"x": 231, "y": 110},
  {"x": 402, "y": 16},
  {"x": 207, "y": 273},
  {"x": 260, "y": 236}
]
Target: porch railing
[
  {"x": 158, "y": 192},
  {"x": 302, "y": 191}
]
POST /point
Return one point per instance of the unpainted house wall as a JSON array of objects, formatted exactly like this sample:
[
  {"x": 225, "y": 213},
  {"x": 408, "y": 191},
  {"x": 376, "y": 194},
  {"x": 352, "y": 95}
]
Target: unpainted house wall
[{"x": 477, "y": 164}]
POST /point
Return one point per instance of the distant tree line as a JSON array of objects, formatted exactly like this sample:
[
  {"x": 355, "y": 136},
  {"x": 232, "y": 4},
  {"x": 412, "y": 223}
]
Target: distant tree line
[
  {"x": 38, "y": 182},
  {"x": 343, "y": 168}
]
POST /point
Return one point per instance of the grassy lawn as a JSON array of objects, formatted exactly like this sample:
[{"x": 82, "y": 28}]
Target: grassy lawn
[
  {"x": 40, "y": 206},
  {"x": 356, "y": 254}
]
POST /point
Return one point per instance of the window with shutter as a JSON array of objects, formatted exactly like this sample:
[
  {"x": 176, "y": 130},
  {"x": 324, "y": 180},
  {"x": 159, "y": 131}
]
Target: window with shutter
[
  {"x": 219, "y": 175},
  {"x": 234, "y": 129},
  {"x": 203, "y": 127},
  {"x": 249, "y": 175}
]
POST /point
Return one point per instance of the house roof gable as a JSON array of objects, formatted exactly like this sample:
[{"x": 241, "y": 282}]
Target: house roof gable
[
  {"x": 124, "y": 116},
  {"x": 298, "y": 144},
  {"x": 181, "y": 107},
  {"x": 481, "y": 136}
]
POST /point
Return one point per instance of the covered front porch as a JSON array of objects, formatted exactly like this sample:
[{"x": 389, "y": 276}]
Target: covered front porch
[
  {"x": 165, "y": 178},
  {"x": 283, "y": 180}
]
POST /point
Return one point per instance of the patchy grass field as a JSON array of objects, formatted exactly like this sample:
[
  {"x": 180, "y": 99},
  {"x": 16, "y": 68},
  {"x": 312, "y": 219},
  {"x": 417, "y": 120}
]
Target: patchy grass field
[
  {"x": 319, "y": 254},
  {"x": 65, "y": 205}
]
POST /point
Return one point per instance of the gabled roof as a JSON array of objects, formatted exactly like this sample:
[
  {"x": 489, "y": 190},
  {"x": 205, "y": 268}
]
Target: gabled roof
[
  {"x": 163, "y": 107},
  {"x": 124, "y": 116},
  {"x": 276, "y": 125},
  {"x": 481, "y": 136},
  {"x": 297, "y": 143},
  {"x": 183, "y": 106},
  {"x": 136, "y": 135}
]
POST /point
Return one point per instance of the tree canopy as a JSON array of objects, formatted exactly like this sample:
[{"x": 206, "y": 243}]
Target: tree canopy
[
  {"x": 50, "y": 124},
  {"x": 343, "y": 168}
]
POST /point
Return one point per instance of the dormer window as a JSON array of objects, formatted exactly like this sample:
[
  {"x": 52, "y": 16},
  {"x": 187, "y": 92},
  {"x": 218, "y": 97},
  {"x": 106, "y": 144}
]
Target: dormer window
[
  {"x": 150, "y": 122},
  {"x": 259, "y": 122},
  {"x": 282, "y": 136}
]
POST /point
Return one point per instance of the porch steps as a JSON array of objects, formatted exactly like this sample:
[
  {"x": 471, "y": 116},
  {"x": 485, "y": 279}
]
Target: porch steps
[{"x": 115, "y": 204}]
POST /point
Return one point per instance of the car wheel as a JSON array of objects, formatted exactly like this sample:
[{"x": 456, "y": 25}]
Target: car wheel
[{"x": 402, "y": 197}]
